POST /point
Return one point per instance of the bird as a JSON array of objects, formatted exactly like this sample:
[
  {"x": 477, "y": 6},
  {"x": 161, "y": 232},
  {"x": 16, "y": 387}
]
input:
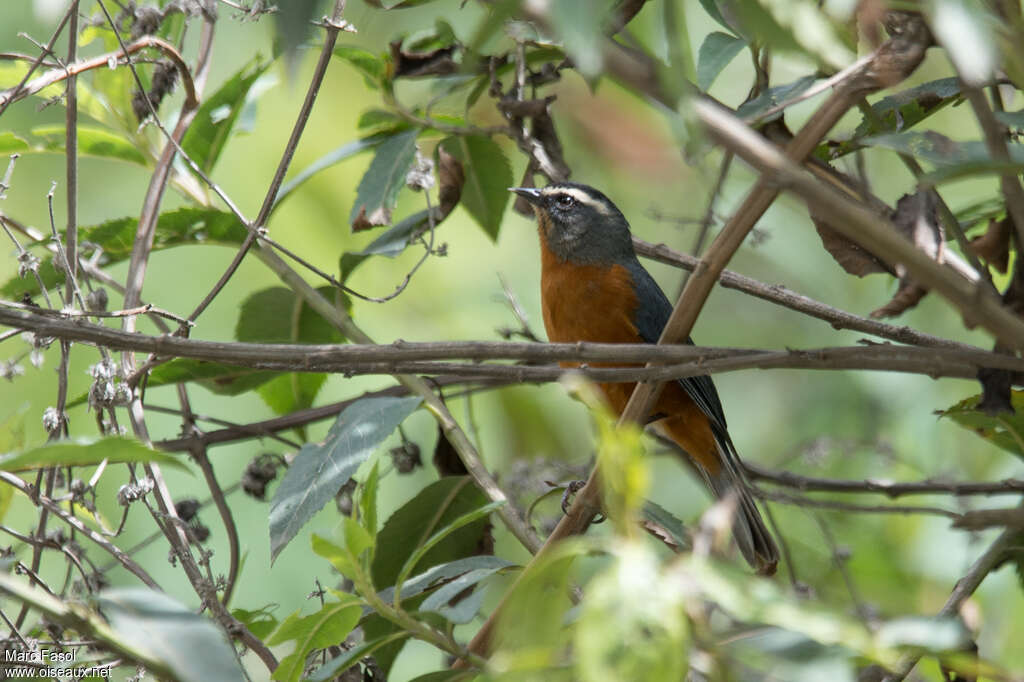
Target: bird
[{"x": 593, "y": 288}]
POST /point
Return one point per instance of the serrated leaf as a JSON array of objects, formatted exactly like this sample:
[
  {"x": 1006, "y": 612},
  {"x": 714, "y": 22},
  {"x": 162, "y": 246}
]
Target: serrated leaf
[
  {"x": 320, "y": 469},
  {"x": 326, "y": 161},
  {"x": 393, "y": 241},
  {"x": 278, "y": 315},
  {"x": 190, "y": 644},
  {"x": 216, "y": 117},
  {"x": 378, "y": 191},
  {"x": 488, "y": 176},
  {"x": 367, "y": 63},
  {"x": 92, "y": 141},
  {"x": 293, "y": 24},
  {"x": 86, "y": 452},
  {"x": 368, "y": 500},
  {"x": 174, "y": 228},
  {"x": 327, "y": 627},
  {"x": 662, "y": 522},
  {"x": 717, "y": 50},
  {"x": 1003, "y": 430},
  {"x": 432, "y": 508}
]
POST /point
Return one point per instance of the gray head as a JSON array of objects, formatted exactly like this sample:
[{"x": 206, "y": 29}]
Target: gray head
[{"x": 579, "y": 224}]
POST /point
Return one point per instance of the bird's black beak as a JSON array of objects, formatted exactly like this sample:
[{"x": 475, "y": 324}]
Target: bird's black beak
[{"x": 531, "y": 194}]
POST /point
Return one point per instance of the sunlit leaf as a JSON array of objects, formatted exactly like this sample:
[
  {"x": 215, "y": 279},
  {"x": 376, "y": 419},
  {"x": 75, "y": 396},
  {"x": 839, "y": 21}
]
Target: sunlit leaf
[
  {"x": 260, "y": 623},
  {"x": 488, "y": 176},
  {"x": 717, "y": 50},
  {"x": 86, "y": 452},
  {"x": 319, "y": 469},
  {"x": 11, "y": 143},
  {"x": 952, "y": 159},
  {"x": 91, "y": 142},
  {"x": 367, "y": 63}
]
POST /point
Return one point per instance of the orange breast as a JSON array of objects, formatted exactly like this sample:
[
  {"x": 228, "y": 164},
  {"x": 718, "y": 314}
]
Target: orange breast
[{"x": 597, "y": 303}]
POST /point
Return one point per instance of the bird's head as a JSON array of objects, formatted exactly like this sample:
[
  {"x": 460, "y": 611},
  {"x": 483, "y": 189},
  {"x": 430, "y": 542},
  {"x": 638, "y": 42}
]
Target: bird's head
[{"x": 579, "y": 224}]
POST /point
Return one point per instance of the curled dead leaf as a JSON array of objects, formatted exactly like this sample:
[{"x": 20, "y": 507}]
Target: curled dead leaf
[
  {"x": 994, "y": 246},
  {"x": 452, "y": 177}
]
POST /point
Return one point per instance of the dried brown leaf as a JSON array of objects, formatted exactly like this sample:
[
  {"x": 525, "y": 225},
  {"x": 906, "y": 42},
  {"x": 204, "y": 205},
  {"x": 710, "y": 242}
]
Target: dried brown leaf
[
  {"x": 409, "y": 64},
  {"x": 994, "y": 245},
  {"x": 452, "y": 177},
  {"x": 380, "y": 216}
]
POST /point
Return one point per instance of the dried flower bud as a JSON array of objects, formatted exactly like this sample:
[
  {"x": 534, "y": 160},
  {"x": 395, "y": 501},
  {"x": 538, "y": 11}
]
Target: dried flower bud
[
  {"x": 51, "y": 420},
  {"x": 421, "y": 175},
  {"x": 97, "y": 300},
  {"x": 132, "y": 492}
]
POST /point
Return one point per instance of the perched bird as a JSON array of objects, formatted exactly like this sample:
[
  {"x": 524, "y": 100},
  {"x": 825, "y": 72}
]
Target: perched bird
[{"x": 593, "y": 288}]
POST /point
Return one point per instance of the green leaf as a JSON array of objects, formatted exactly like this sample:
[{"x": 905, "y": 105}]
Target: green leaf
[
  {"x": 438, "y": 600},
  {"x": 368, "y": 500},
  {"x": 935, "y": 635},
  {"x": 367, "y": 63},
  {"x": 433, "y": 540},
  {"x": 393, "y": 241},
  {"x": 92, "y": 141},
  {"x": 711, "y": 7},
  {"x": 664, "y": 521},
  {"x": 1003, "y": 430},
  {"x": 897, "y": 113},
  {"x": 260, "y": 623},
  {"x": 341, "y": 663},
  {"x": 432, "y": 508},
  {"x": 86, "y": 452},
  {"x": 488, "y": 177},
  {"x": 327, "y": 627},
  {"x": 11, "y": 143},
  {"x": 191, "y": 645},
  {"x": 753, "y": 110},
  {"x": 345, "y": 559},
  {"x": 579, "y": 24},
  {"x": 445, "y": 676},
  {"x": 378, "y": 191},
  {"x": 326, "y": 161},
  {"x": 174, "y": 228},
  {"x": 1011, "y": 119},
  {"x": 278, "y": 315},
  {"x": 953, "y": 159},
  {"x": 717, "y": 50},
  {"x": 446, "y": 571},
  {"x": 320, "y": 469},
  {"x": 632, "y": 625},
  {"x": 293, "y": 25},
  {"x": 216, "y": 117}
]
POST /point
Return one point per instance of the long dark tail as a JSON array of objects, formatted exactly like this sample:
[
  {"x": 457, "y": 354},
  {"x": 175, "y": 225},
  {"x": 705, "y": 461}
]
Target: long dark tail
[{"x": 752, "y": 536}]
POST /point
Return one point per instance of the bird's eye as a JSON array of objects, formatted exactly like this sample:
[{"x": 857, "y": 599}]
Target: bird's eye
[{"x": 565, "y": 201}]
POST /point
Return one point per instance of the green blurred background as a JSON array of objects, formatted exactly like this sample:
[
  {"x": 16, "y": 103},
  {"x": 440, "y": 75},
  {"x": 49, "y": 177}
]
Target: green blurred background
[{"x": 843, "y": 424}]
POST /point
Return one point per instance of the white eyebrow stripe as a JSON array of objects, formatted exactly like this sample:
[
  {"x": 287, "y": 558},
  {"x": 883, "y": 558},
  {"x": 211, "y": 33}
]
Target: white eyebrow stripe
[{"x": 580, "y": 196}]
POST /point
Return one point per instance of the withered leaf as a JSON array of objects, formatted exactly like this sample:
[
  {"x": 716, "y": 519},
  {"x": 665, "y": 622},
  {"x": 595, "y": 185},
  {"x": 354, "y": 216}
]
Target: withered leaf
[
  {"x": 994, "y": 245},
  {"x": 916, "y": 218},
  {"x": 362, "y": 221},
  {"x": 453, "y": 177}
]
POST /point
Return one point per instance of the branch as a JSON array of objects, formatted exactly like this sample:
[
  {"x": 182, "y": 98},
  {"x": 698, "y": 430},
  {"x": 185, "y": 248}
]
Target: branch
[
  {"x": 876, "y": 234},
  {"x": 787, "y": 298},
  {"x": 423, "y": 358},
  {"x": 893, "y": 489}
]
